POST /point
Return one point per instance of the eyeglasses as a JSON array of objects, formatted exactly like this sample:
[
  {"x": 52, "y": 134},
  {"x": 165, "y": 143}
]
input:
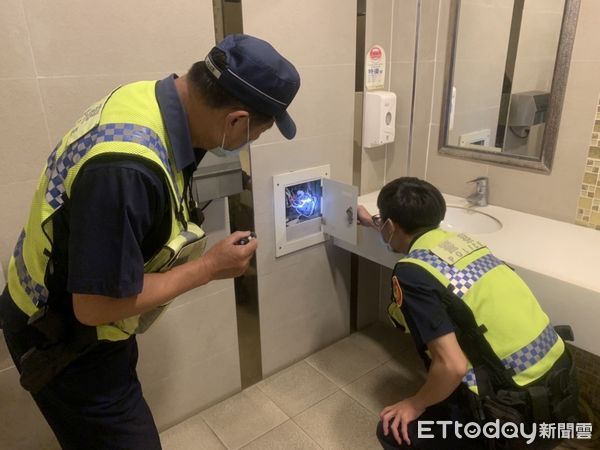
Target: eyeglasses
[{"x": 378, "y": 221}]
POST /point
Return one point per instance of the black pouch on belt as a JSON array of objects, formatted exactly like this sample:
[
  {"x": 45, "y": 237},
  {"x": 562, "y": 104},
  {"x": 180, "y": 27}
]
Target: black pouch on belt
[{"x": 61, "y": 345}]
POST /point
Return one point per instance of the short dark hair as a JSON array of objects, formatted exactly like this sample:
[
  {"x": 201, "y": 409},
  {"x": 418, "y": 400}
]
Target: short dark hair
[
  {"x": 214, "y": 94},
  {"x": 414, "y": 204}
]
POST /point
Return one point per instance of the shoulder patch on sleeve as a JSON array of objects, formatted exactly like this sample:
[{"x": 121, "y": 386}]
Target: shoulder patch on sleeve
[{"x": 397, "y": 291}]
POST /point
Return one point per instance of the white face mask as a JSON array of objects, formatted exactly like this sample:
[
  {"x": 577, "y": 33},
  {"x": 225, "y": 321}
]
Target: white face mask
[{"x": 222, "y": 152}]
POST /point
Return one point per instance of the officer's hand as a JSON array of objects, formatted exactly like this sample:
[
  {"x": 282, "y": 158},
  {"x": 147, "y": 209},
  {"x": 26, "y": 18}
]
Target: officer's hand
[
  {"x": 364, "y": 217},
  {"x": 227, "y": 260},
  {"x": 402, "y": 413}
]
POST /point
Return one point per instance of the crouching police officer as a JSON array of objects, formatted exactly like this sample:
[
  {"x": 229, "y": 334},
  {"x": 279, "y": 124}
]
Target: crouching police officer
[
  {"x": 490, "y": 351},
  {"x": 113, "y": 236}
]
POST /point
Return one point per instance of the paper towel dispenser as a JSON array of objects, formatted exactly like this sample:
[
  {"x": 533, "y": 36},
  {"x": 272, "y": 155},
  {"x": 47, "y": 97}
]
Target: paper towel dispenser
[
  {"x": 379, "y": 118},
  {"x": 217, "y": 181},
  {"x": 528, "y": 108}
]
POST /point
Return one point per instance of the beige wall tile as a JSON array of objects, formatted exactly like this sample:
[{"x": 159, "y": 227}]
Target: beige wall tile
[
  {"x": 478, "y": 84},
  {"x": 422, "y": 117},
  {"x": 581, "y": 98},
  {"x": 66, "y": 98},
  {"x": 26, "y": 145},
  {"x": 186, "y": 392},
  {"x": 378, "y": 29},
  {"x": 193, "y": 341},
  {"x": 587, "y": 44},
  {"x": 15, "y": 199},
  {"x": 430, "y": 10},
  {"x": 401, "y": 84},
  {"x": 483, "y": 31},
  {"x": 397, "y": 155},
  {"x": 404, "y": 21},
  {"x": 553, "y": 196},
  {"x": 424, "y": 91},
  {"x": 15, "y": 48},
  {"x": 310, "y": 32},
  {"x": 540, "y": 31},
  {"x": 443, "y": 30},
  {"x": 208, "y": 322},
  {"x": 115, "y": 38},
  {"x": 420, "y": 150},
  {"x": 373, "y": 169},
  {"x": 303, "y": 307},
  {"x": 22, "y": 425},
  {"x": 438, "y": 92},
  {"x": 533, "y": 74}
]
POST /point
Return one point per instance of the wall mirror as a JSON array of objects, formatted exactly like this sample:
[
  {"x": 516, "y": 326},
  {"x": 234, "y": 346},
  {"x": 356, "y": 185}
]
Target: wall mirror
[{"x": 506, "y": 72}]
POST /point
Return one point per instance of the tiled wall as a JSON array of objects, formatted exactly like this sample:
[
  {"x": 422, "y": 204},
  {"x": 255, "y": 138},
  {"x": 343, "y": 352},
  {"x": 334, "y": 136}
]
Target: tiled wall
[
  {"x": 303, "y": 296},
  {"x": 588, "y": 207},
  {"x": 57, "y": 58},
  {"x": 392, "y": 25}
]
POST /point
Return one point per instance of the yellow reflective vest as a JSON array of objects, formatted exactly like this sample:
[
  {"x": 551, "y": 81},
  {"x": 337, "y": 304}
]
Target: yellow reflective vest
[
  {"x": 126, "y": 122},
  {"x": 518, "y": 331}
]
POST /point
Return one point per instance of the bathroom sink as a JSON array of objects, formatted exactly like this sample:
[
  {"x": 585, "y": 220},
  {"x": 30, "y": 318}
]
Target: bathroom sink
[{"x": 468, "y": 220}]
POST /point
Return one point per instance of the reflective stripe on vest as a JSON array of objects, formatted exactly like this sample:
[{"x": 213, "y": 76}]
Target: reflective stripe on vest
[
  {"x": 523, "y": 359},
  {"x": 461, "y": 280},
  {"x": 37, "y": 292},
  {"x": 111, "y": 132}
]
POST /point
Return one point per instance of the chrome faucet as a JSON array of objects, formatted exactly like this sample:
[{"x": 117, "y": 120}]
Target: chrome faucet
[{"x": 479, "y": 197}]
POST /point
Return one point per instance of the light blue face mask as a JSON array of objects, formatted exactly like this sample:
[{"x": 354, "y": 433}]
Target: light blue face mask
[
  {"x": 222, "y": 152},
  {"x": 384, "y": 242}
]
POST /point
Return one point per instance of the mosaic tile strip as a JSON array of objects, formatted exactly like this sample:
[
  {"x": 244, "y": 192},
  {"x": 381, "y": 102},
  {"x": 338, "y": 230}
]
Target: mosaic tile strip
[{"x": 588, "y": 206}]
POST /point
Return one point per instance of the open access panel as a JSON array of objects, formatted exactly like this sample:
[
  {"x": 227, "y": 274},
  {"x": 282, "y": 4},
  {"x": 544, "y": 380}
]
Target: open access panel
[{"x": 309, "y": 206}]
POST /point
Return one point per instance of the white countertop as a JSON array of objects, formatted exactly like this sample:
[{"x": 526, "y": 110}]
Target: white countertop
[{"x": 559, "y": 250}]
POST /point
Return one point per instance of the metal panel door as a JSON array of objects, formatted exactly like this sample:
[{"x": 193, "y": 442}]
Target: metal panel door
[{"x": 338, "y": 208}]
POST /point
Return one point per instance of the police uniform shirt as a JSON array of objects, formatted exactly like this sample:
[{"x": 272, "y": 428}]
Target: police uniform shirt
[
  {"x": 118, "y": 216},
  {"x": 422, "y": 306}
]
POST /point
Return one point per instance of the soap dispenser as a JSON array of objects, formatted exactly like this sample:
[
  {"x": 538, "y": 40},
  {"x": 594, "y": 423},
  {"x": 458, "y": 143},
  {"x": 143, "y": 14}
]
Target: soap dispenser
[{"x": 379, "y": 118}]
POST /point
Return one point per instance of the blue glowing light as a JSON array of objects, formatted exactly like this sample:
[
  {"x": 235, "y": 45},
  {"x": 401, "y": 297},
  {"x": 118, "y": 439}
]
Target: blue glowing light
[{"x": 304, "y": 203}]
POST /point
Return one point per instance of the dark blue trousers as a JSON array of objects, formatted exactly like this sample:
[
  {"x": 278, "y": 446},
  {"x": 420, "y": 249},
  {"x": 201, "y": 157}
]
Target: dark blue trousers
[{"x": 97, "y": 401}]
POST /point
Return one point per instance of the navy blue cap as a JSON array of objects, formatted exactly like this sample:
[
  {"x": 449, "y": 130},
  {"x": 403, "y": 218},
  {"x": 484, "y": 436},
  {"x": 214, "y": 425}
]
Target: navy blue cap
[{"x": 258, "y": 76}]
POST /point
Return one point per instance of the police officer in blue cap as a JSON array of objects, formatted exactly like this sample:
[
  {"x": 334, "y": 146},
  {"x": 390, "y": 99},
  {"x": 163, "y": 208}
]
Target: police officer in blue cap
[{"x": 111, "y": 236}]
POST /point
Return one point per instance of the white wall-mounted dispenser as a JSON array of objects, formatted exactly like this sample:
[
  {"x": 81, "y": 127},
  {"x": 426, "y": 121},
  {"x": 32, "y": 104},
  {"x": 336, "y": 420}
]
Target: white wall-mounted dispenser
[
  {"x": 309, "y": 206},
  {"x": 379, "y": 118}
]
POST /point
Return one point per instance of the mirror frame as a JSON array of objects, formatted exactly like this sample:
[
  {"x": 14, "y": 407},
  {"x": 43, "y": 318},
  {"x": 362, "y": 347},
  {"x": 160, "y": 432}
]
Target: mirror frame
[{"x": 559, "y": 83}]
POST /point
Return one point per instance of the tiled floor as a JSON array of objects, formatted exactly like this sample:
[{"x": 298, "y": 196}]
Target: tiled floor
[{"x": 330, "y": 400}]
